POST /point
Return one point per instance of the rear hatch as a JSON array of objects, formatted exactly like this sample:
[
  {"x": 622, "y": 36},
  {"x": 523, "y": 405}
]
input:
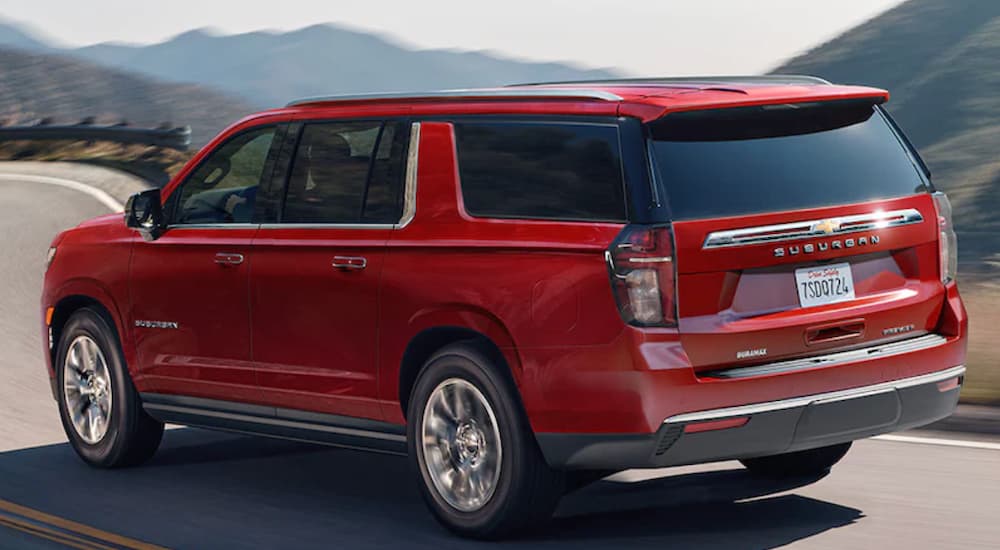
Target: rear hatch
[{"x": 800, "y": 230}]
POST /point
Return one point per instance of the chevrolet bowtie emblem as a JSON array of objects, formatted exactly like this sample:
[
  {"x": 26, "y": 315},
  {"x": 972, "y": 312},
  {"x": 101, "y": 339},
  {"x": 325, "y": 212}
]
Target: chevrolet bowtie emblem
[{"x": 827, "y": 227}]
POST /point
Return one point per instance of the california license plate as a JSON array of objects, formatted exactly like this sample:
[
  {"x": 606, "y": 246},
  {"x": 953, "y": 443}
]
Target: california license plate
[{"x": 824, "y": 284}]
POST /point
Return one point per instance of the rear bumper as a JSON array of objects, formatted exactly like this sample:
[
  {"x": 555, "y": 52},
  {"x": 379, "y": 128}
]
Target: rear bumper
[{"x": 766, "y": 428}]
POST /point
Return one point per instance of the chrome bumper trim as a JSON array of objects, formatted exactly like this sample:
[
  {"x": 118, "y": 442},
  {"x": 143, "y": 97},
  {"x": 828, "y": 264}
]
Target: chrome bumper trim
[
  {"x": 872, "y": 352},
  {"x": 795, "y": 402}
]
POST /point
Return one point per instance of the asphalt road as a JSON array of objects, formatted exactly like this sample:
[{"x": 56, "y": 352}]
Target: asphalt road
[{"x": 210, "y": 490}]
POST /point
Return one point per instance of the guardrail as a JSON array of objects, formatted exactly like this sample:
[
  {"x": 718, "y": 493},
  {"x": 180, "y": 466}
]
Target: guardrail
[{"x": 163, "y": 136}]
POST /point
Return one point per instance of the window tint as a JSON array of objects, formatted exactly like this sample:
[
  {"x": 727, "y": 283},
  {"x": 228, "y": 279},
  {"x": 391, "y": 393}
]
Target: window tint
[
  {"x": 346, "y": 172},
  {"x": 223, "y": 188},
  {"x": 384, "y": 199},
  {"x": 742, "y": 161},
  {"x": 546, "y": 171}
]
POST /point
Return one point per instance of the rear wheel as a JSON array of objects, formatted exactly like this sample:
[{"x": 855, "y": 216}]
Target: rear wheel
[
  {"x": 801, "y": 463},
  {"x": 100, "y": 409},
  {"x": 481, "y": 471}
]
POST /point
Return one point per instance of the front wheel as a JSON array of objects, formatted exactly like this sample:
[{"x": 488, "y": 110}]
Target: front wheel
[
  {"x": 802, "y": 463},
  {"x": 100, "y": 408},
  {"x": 481, "y": 471}
]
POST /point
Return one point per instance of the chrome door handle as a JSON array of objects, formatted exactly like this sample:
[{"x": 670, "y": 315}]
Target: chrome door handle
[
  {"x": 350, "y": 262},
  {"x": 228, "y": 258}
]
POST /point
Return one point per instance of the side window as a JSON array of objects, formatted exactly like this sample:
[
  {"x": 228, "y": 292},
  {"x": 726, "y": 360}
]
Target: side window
[
  {"x": 541, "y": 170},
  {"x": 346, "y": 172},
  {"x": 223, "y": 189}
]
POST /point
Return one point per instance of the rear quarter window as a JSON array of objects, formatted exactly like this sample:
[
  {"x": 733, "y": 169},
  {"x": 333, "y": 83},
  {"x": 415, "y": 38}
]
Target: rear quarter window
[{"x": 556, "y": 171}]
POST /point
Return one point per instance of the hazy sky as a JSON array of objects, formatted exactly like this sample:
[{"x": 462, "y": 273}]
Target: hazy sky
[{"x": 650, "y": 37}]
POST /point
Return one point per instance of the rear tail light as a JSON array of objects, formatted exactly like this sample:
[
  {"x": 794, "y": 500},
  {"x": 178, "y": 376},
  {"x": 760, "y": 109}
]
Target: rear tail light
[
  {"x": 641, "y": 262},
  {"x": 947, "y": 240}
]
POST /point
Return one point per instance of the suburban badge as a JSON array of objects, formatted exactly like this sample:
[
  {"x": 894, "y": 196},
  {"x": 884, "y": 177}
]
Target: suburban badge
[
  {"x": 751, "y": 353},
  {"x": 839, "y": 244}
]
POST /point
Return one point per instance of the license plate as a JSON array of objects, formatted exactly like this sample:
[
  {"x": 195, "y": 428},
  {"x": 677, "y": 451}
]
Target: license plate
[{"x": 824, "y": 284}]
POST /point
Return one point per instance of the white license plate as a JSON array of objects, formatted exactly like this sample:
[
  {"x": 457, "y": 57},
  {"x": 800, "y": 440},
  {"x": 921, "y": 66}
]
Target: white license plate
[{"x": 825, "y": 284}]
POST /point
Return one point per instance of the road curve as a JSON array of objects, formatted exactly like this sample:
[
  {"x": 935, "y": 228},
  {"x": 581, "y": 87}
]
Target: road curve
[{"x": 209, "y": 490}]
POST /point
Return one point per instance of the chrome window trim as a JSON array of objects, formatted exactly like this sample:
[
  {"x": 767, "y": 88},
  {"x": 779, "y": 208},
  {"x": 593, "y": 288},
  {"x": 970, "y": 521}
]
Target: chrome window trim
[
  {"x": 796, "y": 402},
  {"x": 808, "y": 229},
  {"x": 327, "y": 226},
  {"x": 488, "y": 93},
  {"x": 213, "y": 226},
  {"x": 410, "y": 179}
]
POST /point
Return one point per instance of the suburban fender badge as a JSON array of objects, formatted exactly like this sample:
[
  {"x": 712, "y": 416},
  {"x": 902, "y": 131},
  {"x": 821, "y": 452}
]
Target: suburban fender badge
[{"x": 156, "y": 324}]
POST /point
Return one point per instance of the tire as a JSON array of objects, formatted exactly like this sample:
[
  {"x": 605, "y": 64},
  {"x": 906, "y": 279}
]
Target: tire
[
  {"x": 522, "y": 492},
  {"x": 127, "y": 436},
  {"x": 810, "y": 462}
]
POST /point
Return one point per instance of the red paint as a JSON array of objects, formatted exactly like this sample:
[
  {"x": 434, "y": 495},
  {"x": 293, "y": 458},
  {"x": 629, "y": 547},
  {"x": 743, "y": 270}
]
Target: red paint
[
  {"x": 313, "y": 326},
  {"x": 287, "y": 329}
]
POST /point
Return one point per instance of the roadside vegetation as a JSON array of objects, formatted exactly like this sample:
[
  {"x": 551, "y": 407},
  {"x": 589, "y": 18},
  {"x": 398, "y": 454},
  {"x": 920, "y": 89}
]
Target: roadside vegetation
[{"x": 154, "y": 164}]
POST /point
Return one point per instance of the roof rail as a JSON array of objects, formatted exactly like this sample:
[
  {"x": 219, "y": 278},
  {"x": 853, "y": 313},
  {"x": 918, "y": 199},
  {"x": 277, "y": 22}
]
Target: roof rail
[
  {"x": 495, "y": 93},
  {"x": 746, "y": 79}
]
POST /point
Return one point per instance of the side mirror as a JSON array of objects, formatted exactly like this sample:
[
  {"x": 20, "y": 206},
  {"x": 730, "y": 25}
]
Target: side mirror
[{"x": 144, "y": 212}]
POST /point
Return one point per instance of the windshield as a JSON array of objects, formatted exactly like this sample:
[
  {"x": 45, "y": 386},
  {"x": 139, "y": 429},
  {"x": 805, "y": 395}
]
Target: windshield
[{"x": 731, "y": 162}]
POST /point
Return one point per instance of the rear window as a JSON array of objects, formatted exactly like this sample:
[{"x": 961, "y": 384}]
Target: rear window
[
  {"x": 557, "y": 171},
  {"x": 731, "y": 162}
]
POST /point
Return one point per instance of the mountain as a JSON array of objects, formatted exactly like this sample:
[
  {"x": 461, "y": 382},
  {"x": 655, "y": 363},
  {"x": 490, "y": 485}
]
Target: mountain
[
  {"x": 15, "y": 36},
  {"x": 227, "y": 76},
  {"x": 34, "y": 86},
  {"x": 271, "y": 68},
  {"x": 941, "y": 62}
]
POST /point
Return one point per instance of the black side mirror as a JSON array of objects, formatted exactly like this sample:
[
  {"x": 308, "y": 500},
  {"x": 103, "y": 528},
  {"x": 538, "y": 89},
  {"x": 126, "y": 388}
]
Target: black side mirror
[{"x": 144, "y": 212}]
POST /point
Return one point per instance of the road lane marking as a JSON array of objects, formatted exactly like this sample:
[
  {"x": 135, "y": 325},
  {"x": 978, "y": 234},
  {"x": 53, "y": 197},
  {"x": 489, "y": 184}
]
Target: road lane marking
[
  {"x": 71, "y": 527},
  {"x": 940, "y": 441},
  {"x": 63, "y": 539},
  {"x": 102, "y": 196}
]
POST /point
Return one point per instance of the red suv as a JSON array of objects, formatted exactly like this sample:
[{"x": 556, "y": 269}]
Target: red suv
[{"x": 524, "y": 289}]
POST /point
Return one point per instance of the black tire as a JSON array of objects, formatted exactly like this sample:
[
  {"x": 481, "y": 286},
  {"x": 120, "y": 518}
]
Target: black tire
[
  {"x": 132, "y": 436},
  {"x": 527, "y": 489},
  {"x": 810, "y": 462}
]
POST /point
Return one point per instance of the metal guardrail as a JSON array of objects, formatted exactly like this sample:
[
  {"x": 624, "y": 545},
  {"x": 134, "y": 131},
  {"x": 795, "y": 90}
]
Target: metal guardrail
[{"x": 163, "y": 136}]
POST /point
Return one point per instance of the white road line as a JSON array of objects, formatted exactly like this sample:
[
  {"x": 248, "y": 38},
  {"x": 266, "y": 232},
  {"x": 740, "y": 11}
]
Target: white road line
[
  {"x": 103, "y": 197},
  {"x": 939, "y": 441}
]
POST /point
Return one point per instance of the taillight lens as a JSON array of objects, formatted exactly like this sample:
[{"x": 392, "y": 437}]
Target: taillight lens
[
  {"x": 947, "y": 240},
  {"x": 641, "y": 263}
]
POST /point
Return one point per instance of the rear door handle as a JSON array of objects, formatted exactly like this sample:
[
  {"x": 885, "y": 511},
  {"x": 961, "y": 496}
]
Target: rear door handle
[
  {"x": 228, "y": 258},
  {"x": 350, "y": 262}
]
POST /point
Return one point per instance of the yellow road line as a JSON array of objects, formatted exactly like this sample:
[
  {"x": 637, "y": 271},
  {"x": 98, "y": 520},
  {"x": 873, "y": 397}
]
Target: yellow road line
[
  {"x": 74, "y": 527},
  {"x": 49, "y": 534}
]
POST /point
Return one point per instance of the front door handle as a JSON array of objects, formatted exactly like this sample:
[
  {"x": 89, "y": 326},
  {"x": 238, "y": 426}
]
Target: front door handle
[
  {"x": 350, "y": 262},
  {"x": 228, "y": 258}
]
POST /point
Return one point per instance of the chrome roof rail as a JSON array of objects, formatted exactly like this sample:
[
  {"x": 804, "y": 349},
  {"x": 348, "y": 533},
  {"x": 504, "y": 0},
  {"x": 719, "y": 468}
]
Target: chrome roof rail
[
  {"x": 493, "y": 93},
  {"x": 745, "y": 79}
]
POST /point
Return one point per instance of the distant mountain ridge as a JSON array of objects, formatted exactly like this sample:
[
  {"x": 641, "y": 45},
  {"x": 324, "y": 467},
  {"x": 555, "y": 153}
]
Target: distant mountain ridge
[
  {"x": 208, "y": 80},
  {"x": 35, "y": 86},
  {"x": 269, "y": 69},
  {"x": 941, "y": 63}
]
